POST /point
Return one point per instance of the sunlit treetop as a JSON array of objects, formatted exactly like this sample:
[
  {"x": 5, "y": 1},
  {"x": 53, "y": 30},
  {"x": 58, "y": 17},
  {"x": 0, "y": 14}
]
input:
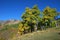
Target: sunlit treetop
[
  {"x": 35, "y": 10},
  {"x": 49, "y": 12},
  {"x": 32, "y": 14}
]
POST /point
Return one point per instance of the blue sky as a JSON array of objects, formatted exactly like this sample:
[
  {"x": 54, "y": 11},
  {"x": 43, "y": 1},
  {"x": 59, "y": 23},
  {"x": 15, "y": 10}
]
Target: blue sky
[{"x": 13, "y": 9}]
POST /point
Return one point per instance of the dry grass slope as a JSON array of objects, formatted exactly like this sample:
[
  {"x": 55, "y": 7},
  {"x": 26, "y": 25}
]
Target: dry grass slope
[{"x": 49, "y": 34}]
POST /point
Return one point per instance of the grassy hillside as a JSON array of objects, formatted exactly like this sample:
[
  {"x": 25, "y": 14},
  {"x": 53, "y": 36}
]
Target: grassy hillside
[
  {"x": 8, "y": 31},
  {"x": 49, "y": 34}
]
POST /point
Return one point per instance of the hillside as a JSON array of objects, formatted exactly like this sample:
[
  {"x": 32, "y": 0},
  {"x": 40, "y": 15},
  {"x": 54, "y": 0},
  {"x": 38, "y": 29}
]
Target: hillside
[
  {"x": 8, "y": 22},
  {"x": 49, "y": 34},
  {"x": 8, "y": 28}
]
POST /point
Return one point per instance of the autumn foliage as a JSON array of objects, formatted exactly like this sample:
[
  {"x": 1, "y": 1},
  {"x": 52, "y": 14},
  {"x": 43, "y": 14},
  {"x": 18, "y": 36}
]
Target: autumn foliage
[{"x": 33, "y": 21}]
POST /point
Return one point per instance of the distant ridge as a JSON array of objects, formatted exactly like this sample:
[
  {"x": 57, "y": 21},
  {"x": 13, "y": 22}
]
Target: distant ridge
[{"x": 11, "y": 21}]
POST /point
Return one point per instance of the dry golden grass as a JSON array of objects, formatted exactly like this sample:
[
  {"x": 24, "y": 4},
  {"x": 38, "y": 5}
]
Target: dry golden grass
[{"x": 49, "y": 34}]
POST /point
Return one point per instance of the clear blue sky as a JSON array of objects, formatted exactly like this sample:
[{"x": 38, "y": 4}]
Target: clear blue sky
[{"x": 13, "y": 9}]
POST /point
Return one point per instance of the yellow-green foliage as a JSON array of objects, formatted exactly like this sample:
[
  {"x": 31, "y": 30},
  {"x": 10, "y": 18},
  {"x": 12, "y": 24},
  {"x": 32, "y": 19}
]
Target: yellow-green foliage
[
  {"x": 32, "y": 16},
  {"x": 22, "y": 27},
  {"x": 49, "y": 12}
]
